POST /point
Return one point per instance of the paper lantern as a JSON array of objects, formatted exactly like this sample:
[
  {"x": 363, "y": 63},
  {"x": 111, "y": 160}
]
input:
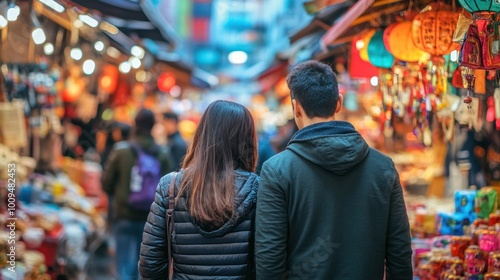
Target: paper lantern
[
  {"x": 432, "y": 30},
  {"x": 166, "y": 81},
  {"x": 398, "y": 40},
  {"x": 387, "y": 32},
  {"x": 363, "y": 51},
  {"x": 377, "y": 53},
  {"x": 480, "y": 5}
]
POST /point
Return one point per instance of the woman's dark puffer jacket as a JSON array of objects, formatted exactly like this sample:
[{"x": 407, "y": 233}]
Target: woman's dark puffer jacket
[{"x": 222, "y": 253}]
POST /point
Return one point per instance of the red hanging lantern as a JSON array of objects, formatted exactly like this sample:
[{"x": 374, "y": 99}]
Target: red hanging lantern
[
  {"x": 166, "y": 81},
  {"x": 74, "y": 85},
  {"x": 432, "y": 29},
  {"x": 108, "y": 81}
]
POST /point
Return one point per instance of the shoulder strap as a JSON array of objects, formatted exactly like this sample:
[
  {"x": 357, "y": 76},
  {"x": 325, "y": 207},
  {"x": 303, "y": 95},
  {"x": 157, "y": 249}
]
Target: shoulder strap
[{"x": 170, "y": 223}]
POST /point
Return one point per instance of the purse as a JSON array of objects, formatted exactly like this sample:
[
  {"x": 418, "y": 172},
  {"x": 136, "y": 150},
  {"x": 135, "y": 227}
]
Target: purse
[
  {"x": 471, "y": 52},
  {"x": 491, "y": 47},
  {"x": 170, "y": 224}
]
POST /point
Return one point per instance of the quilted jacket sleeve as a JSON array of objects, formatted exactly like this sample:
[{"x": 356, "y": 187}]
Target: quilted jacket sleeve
[{"x": 153, "y": 261}]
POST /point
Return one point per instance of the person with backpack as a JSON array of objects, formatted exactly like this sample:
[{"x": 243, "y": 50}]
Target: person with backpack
[
  {"x": 209, "y": 206},
  {"x": 131, "y": 176}
]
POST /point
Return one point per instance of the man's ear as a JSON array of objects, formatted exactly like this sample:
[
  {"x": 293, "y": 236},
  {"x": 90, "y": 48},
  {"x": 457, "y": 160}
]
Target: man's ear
[
  {"x": 339, "y": 103},
  {"x": 297, "y": 109}
]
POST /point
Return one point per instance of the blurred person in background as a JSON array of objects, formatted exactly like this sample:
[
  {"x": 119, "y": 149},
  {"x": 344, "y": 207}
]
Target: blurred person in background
[
  {"x": 118, "y": 132},
  {"x": 215, "y": 194},
  {"x": 175, "y": 142},
  {"x": 121, "y": 178}
]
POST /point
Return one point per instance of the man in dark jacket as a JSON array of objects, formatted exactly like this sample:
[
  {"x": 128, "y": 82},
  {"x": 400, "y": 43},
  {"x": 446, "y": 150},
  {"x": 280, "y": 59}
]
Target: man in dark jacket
[
  {"x": 329, "y": 206},
  {"x": 129, "y": 223},
  {"x": 175, "y": 142}
]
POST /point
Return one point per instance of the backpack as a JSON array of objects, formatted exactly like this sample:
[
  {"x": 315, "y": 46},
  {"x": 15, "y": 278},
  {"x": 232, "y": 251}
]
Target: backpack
[{"x": 145, "y": 175}]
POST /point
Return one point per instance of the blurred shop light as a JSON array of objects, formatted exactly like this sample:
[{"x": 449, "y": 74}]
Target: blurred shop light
[
  {"x": 76, "y": 53},
  {"x": 237, "y": 57},
  {"x": 78, "y": 23},
  {"x": 99, "y": 46},
  {"x": 135, "y": 62},
  {"x": 454, "y": 56},
  {"x": 38, "y": 36},
  {"x": 3, "y": 22},
  {"x": 13, "y": 12},
  {"x": 166, "y": 81},
  {"x": 141, "y": 76},
  {"x": 113, "y": 52},
  {"x": 175, "y": 91},
  {"x": 124, "y": 67},
  {"x": 360, "y": 44},
  {"x": 137, "y": 52},
  {"x": 374, "y": 81},
  {"x": 87, "y": 19},
  {"x": 48, "y": 48},
  {"x": 88, "y": 67},
  {"x": 54, "y": 5},
  {"x": 106, "y": 26}
]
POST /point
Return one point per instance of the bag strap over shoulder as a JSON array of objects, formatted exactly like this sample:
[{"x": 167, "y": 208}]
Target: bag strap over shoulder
[{"x": 170, "y": 223}]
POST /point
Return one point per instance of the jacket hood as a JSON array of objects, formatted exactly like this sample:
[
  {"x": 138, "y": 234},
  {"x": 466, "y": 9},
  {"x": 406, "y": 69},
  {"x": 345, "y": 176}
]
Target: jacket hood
[
  {"x": 147, "y": 144},
  {"x": 245, "y": 200},
  {"x": 335, "y": 146}
]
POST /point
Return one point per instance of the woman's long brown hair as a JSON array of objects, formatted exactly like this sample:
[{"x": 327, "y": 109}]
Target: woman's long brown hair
[{"x": 224, "y": 141}]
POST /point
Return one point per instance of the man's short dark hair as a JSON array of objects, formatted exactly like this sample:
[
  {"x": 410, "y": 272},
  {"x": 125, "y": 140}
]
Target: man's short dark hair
[
  {"x": 171, "y": 116},
  {"x": 314, "y": 85}
]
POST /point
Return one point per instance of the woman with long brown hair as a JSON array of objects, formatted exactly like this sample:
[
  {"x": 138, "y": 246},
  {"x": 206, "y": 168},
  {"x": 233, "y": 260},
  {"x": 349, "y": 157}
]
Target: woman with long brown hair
[{"x": 215, "y": 198}]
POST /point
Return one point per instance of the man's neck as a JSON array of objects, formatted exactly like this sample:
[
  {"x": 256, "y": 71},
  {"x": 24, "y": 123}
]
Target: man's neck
[{"x": 307, "y": 122}]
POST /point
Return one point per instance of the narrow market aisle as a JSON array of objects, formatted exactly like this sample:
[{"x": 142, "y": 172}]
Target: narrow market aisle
[{"x": 101, "y": 266}]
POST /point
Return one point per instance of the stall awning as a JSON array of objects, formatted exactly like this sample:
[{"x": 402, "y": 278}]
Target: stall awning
[
  {"x": 322, "y": 20},
  {"x": 128, "y": 16},
  {"x": 272, "y": 75},
  {"x": 347, "y": 19}
]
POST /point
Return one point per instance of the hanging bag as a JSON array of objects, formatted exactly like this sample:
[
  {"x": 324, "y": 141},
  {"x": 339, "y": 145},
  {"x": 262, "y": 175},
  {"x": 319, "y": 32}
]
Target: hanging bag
[
  {"x": 170, "y": 224},
  {"x": 470, "y": 54},
  {"x": 491, "y": 47},
  {"x": 463, "y": 23}
]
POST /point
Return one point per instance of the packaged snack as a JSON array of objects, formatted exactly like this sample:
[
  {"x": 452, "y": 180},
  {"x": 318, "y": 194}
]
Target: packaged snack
[
  {"x": 450, "y": 224},
  {"x": 465, "y": 201},
  {"x": 486, "y": 202}
]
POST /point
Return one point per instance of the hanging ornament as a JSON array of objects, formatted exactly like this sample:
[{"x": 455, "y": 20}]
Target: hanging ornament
[
  {"x": 377, "y": 53},
  {"x": 474, "y": 6},
  {"x": 398, "y": 41},
  {"x": 432, "y": 30},
  {"x": 496, "y": 98}
]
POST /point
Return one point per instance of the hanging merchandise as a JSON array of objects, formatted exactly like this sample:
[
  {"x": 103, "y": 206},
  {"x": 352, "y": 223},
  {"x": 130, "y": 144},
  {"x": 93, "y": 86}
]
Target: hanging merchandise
[
  {"x": 491, "y": 48},
  {"x": 433, "y": 28},
  {"x": 377, "y": 52},
  {"x": 496, "y": 98},
  {"x": 457, "y": 80},
  {"x": 471, "y": 51},
  {"x": 12, "y": 125},
  {"x": 467, "y": 113},
  {"x": 480, "y": 5},
  {"x": 398, "y": 41},
  {"x": 464, "y": 21}
]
